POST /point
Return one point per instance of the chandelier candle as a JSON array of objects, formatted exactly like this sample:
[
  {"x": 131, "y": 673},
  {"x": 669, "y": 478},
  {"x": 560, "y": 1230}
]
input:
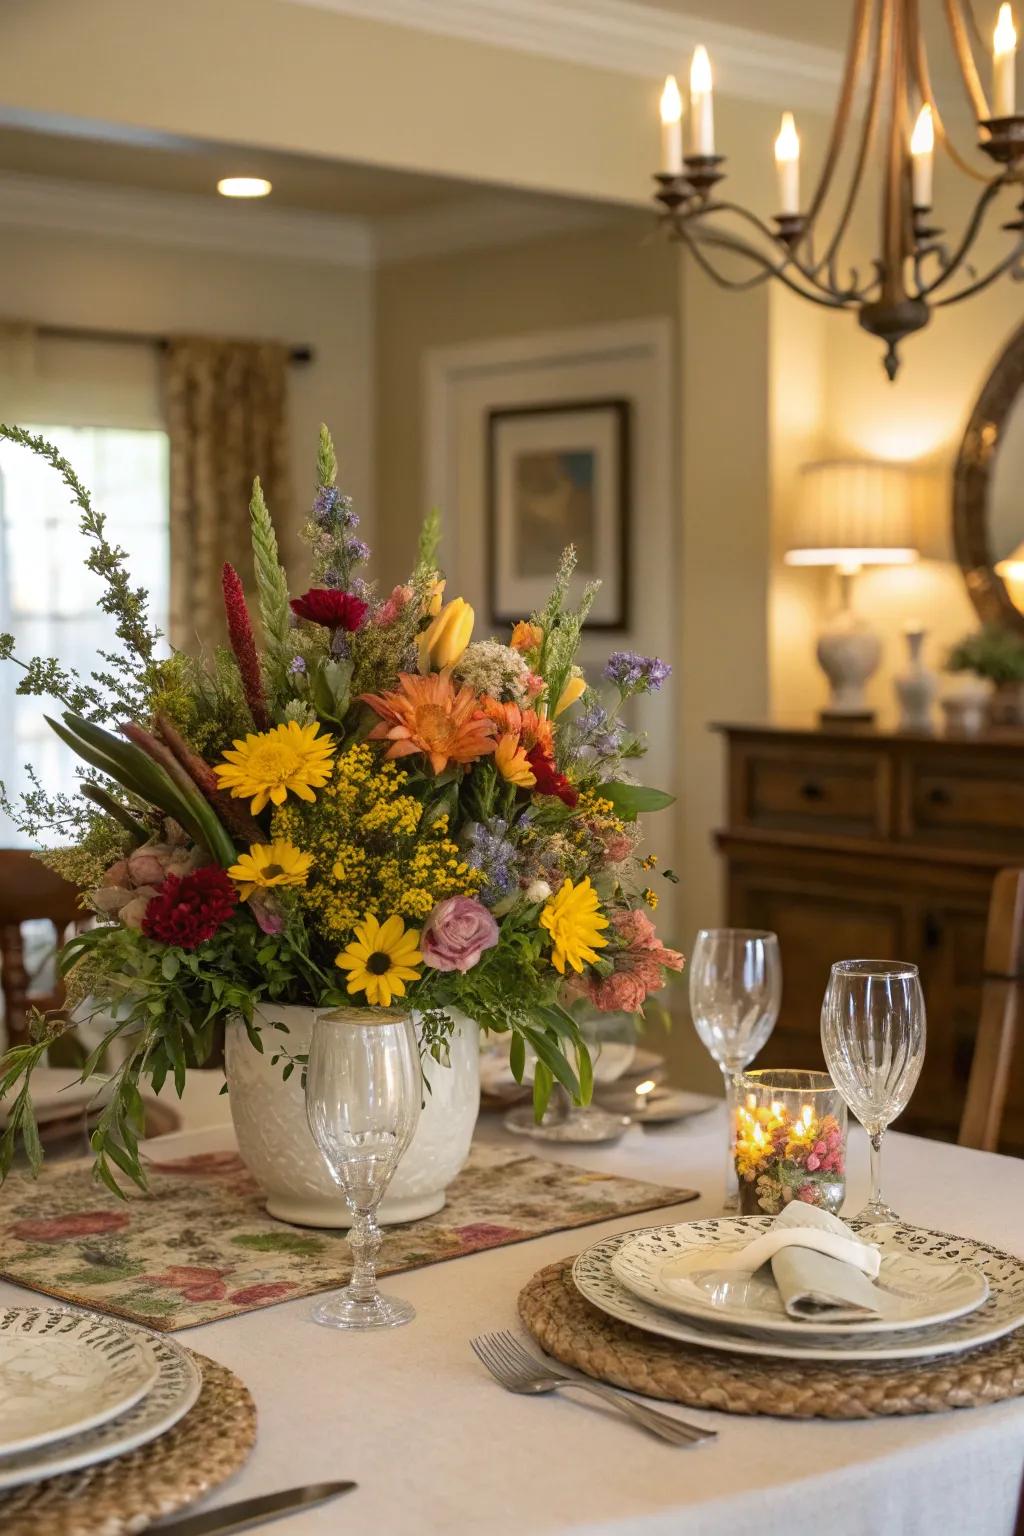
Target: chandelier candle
[
  {"x": 702, "y": 111},
  {"x": 922, "y": 155},
  {"x": 671, "y": 128},
  {"x": 1004, "y": 65},
  {"x": 787, "y": 166}
]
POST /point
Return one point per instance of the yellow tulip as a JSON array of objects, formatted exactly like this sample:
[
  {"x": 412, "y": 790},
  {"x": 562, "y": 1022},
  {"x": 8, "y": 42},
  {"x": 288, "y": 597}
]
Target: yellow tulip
[
  {"x": 574, "y": 689},
  {"x": 436, "y": 595},
  {"x": 444, "y": 642}
]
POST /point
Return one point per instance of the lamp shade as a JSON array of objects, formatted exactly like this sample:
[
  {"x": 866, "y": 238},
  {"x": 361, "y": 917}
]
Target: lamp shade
[{"x": 853, "y": 512}]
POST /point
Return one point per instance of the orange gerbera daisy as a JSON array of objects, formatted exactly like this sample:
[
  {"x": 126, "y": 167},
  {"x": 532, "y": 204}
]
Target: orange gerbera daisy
[
  {"x": 429, "y": 715},
  {"x": 526, "y": 724}
]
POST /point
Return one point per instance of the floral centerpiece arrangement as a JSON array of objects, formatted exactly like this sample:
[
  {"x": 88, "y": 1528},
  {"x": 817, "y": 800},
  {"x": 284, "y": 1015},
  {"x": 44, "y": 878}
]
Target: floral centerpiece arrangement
[{"x": 355, "y": 802}]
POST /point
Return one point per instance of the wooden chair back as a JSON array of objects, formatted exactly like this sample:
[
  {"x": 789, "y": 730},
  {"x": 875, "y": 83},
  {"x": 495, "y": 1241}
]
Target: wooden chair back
[
  {"x": 29, "y": 891},
  {"x": 1002, "y": 1005}
]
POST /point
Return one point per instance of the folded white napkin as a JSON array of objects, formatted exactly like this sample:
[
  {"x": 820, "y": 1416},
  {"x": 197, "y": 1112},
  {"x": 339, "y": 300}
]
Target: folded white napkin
[{"x": 823, "y": 1271}]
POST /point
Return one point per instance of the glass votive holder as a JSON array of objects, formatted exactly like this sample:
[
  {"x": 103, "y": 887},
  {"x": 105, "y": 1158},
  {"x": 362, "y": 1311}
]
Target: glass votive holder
[{"x": 789, "y": 1142}]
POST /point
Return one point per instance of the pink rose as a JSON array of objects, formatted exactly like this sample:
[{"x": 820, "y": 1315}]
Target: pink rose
[{"x": 456, "y": 934}]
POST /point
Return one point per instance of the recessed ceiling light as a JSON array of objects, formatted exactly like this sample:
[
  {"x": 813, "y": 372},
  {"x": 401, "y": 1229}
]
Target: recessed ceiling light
[{"x": 243, "y": 186}]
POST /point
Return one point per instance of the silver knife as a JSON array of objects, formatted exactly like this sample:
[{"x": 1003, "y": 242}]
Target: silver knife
[{"x": 235, "y": 1517}]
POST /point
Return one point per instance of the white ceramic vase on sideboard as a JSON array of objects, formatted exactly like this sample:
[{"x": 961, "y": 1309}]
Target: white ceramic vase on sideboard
[{"x": 269, "y": 1115}]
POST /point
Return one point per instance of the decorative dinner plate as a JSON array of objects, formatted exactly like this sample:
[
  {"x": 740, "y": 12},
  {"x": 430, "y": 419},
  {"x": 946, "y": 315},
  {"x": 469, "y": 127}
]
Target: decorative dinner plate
[
  {"x": 999, "y": 1314},
  {"x": 173, "y": 1393},
  {"x": 918, "y": 1291},
  {"x": 62, "y": 1372}
]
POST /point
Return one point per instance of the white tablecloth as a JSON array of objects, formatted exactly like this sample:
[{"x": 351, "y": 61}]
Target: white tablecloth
[{"x": 436, "y": 1446}]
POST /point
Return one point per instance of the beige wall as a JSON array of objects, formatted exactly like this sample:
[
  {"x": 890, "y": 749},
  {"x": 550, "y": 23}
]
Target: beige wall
[{"x": 76, "y": 280}]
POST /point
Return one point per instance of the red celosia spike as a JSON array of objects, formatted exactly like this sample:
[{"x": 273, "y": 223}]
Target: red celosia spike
[{"x": 244, "y": 646}]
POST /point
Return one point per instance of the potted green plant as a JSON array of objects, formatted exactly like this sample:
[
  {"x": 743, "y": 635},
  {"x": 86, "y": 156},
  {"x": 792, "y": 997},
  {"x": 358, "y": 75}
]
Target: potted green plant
[{"x": 997, "y": 656}]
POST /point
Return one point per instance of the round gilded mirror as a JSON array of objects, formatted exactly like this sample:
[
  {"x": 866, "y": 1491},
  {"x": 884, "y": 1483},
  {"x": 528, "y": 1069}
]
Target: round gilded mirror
[{"x": 988, "y": 494}]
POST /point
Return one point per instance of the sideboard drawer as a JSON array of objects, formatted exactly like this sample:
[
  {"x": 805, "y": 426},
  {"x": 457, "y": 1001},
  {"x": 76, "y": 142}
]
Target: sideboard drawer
[
  {"x": 843, "y": 793},
  {"x": 968, "y": 803}
]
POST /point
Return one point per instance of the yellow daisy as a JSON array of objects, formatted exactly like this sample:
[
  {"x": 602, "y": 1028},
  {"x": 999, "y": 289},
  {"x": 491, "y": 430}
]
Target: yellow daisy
[
  {"x": 574, "y": 920},
  {"x": 267, "y": 864},
  {"x": 290, "y": 758},
  {"x": 380, "y": 960}
]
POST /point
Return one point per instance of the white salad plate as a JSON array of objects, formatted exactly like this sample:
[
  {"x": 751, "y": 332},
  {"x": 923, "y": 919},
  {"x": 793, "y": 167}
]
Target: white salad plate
[
  {"x": 678, "y": 1268},
  {"x": 999, "y": 1314},
  {"x": 177, "y": 1385},
  {"x": 62, "y": 1372}
]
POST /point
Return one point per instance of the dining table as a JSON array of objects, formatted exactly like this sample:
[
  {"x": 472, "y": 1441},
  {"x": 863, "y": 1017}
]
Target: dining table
[{"x": 435, "y": 1445}]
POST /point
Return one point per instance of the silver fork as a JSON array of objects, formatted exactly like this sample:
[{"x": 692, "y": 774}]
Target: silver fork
[{"x": 518, "y": 1371}]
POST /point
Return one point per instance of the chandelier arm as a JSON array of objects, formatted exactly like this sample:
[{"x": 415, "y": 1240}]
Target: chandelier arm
[
  {"x": 922, "y": 76},
  {"x": 834, "y": 293},
  {"x": 859, "y": 32},
  {"x": 868, "y": 136},
  {"x": 767, "y": 269},
  {"x": 895, "y": 236},
  {"x": 955, "y": 262},
  {"x": 965, "y": 59},
  {"x": 997, "y": 271}
]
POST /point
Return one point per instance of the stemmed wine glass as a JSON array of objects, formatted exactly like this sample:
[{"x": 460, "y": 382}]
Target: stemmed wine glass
[
  {"x": 873, "y": 1034},
  {"x": 363, "y": 1095},
  {"x": 735, "y": 993}
]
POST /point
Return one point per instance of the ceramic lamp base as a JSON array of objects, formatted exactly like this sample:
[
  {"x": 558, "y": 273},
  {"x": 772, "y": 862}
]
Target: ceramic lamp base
[{"x": 849, "y": 652}]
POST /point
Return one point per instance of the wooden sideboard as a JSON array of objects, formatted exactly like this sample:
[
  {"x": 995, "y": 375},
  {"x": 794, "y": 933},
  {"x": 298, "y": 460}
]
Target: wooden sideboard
[{"x": 858, "y": 841}]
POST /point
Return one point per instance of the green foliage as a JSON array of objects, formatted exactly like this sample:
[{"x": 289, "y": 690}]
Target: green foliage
[
  {"x": 630, "y": 799},
  {"x": 995, "y": 653},
  {"x": 562, "y": 626},
  {"x": 425, "y": 568},
  {"x": 326, "y": 459},
  {"x": 272, "y": 587}
]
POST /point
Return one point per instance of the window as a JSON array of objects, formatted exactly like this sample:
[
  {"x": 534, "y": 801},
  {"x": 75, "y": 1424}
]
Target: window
[{"x": 48, "y": 600}]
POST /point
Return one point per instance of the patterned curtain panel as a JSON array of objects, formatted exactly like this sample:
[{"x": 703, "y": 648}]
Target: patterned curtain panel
[{"x": 226, "y": 417}]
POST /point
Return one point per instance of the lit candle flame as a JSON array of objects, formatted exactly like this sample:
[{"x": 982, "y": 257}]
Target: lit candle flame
[
  {"x": 700, "y": 69},
  {"x": 644, "y": 1088},
  {"x": 671, "y": 101},
  {"x": 807, "y": 1115},
  {"x": 787, "y": 145},
  {"x": 922, "y": 140},
  {"x": 751, "y": 1100},
  {"x": 1004, "y": 39}
]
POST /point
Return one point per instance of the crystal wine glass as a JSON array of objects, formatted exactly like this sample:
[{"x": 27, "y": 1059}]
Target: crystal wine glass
[
  {"x": 610, "y": 1039},
  {"x": 735, "y": 993},
  {"x": 873, "y": 1034},
  {"x": 363, "y": 1095}
]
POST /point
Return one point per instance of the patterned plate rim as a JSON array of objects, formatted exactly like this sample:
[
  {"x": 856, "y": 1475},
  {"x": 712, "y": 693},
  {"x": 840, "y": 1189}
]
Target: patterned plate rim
[
  {"x": 627, "y": 1308},
  {"x": 90, "y": 1332},
  {"x": 759, "y": 1323},
  {"x": 152, "y": 1415}
]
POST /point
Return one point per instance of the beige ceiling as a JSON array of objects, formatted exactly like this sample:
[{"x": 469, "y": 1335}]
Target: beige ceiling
[
  {"x": 299, "y": 181},
  {"x": 824, "y": 22}
]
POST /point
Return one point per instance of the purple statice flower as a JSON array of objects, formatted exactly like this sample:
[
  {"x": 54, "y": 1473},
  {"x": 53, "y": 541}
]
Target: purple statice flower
[
  {"x": 331, "y": 509},
  {"x": 297, "y": 666},
  {"x": 357, "y": 551},
  {"x": 633, "y": 673},
  {"x": 333, "y": 578},
  {"x": 599, "y": 732},
  {"x": 489, "y": 850}
]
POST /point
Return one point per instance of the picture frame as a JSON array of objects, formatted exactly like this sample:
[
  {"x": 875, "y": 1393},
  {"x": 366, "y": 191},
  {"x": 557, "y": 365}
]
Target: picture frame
[{"x": 558, "y": 473}]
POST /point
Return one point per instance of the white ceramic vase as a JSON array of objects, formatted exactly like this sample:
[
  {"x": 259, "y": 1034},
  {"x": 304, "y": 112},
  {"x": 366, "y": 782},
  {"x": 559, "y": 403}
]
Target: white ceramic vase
[
  {"x": 270, "y": 1122},
  {"x": 916, "y": 686}
]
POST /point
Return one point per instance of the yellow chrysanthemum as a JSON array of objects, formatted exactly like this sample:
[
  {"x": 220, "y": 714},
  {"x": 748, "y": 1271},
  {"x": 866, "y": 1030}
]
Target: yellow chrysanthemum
[
  {"x": 290, "y": 759},
  {"x": 267, "y": 864},
  {"x": 574, "y": 920},
  {"x": 512, "y": 763},
  {"x": 380, "y": 960}
]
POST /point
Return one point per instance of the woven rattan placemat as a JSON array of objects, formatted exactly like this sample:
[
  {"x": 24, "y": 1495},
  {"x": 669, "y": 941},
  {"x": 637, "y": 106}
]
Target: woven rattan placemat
[
  {"x": 577, "y": 1334},
  {"x": 128, "y": 1493}
]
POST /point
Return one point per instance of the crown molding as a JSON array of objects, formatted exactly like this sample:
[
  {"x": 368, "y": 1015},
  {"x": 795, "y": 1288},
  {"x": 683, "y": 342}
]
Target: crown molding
[
  {"x": 625, "y": 36},
  {"x": 180, "y": 220},
  {"x": 197, "y": 223}
]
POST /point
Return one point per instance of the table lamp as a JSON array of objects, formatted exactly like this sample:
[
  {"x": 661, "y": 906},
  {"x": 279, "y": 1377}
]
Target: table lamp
[{"x": 851, "y": 513}]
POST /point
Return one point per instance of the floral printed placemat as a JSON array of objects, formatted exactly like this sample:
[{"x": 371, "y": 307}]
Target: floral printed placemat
[{"x": 200, "y": 1246}]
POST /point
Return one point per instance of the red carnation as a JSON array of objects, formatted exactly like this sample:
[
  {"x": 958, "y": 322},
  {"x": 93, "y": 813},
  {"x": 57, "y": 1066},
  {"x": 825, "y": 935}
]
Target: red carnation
[
  {"x": 188, "y": 909},
  {"x": 549, "y": 780},
  {"x": 336, "y": 610}
]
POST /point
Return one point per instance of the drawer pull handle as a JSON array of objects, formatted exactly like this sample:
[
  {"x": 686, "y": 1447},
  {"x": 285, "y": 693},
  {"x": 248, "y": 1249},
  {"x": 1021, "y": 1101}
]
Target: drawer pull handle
[
  {"x": 939, "y": 796},
  {"x": 812, "y": 791}
]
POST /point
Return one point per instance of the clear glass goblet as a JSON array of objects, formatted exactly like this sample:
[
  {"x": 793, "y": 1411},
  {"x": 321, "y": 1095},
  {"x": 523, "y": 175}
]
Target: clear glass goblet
[
  {"x": 873, "y": 1036},
  {"x": 735, "y": 993},
  {"x": 363, "y": 1094}
]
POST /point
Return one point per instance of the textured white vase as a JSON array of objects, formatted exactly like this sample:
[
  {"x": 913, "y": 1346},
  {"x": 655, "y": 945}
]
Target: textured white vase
[
  {"x": 275, "y": 1142},
  {"x": 916, "y": 686},
  {"x": 848, "y": 652}
]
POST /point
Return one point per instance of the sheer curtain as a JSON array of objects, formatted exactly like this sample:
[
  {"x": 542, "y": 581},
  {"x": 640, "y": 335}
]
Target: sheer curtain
[{"x": 226, "y": 404}]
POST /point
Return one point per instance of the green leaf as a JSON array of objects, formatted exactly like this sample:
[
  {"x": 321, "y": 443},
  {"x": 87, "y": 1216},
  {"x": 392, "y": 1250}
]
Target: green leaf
[
  {"x": 170, "y": 965},
  {"x": 517, "y": 1057},
  {"x": 630, "y": 799}
]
